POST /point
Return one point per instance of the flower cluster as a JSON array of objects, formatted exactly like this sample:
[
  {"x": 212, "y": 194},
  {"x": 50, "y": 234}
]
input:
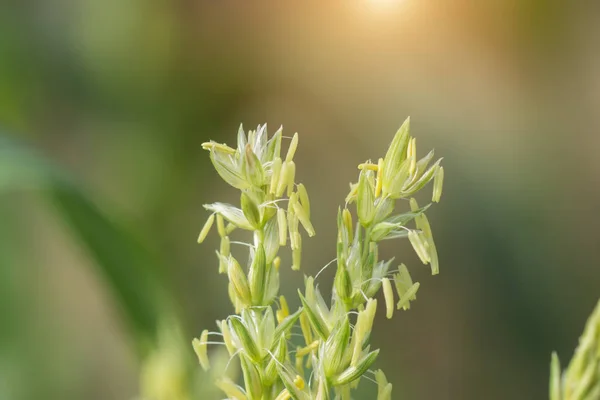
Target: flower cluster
[
  {"x": 335, "y": 352},
  {"x": 581, "y": 380}
]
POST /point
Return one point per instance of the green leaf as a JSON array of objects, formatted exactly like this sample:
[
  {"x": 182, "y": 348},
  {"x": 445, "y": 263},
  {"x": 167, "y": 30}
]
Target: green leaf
[
  {"x": 131, "y": 271},
  {"x": 129, "y": 268}
]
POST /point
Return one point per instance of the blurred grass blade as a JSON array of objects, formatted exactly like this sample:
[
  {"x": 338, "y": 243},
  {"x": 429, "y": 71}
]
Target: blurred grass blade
[
  {"x": 21, "y": 167},
  {"x": 129, "y": 268}
]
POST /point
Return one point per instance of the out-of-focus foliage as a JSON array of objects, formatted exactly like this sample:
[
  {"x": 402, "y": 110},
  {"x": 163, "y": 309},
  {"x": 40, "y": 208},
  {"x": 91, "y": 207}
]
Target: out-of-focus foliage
[{"x": 130, "y": 270}]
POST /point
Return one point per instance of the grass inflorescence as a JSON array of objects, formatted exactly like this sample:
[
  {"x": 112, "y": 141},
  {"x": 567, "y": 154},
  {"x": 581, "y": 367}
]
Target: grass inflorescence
[{"x": 335, "y": 354}]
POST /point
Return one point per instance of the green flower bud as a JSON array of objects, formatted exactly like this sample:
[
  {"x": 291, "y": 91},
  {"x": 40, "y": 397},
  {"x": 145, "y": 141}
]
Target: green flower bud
[
  {"x": 245, "y": 340},
  {"x": 315, "y": 319},
  {"x": 342, "y": 284},
  {"x": 399, "y": 180},
  {"x": 234, "y": 298},
  {"x": 266, "y": 329},
  {"x": 271, "y": 240},
  {"x": 267, "y": 209},
  {"x": 254, "y": 386},
  {"x": 394, "y": 157},
  {"x": 237, "y": 277},
  {"x": 335, "y": 347},
  {"x": 272, "y": 285},
  {"x": 228, "y": 171},
  {"x": 251, "y": 211},
  {"x": 257, "y": 275},
  {"x": 356, "y": 371},
  {"x": 348, "y": 224},
  {"x": 363, "y": 326},
  {"x": 280, "y": 354},
  {"x": 555, "y": 383},
  {"x": 581, "y": 379},
  {"x": 383, "y": 208},
  {"x": 254, "y": 170},
  {"x": 365, "y": 199}
]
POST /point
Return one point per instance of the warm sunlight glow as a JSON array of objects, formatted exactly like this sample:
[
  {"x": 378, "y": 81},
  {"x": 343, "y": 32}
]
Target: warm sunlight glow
[
  {"x": 383, "y": 5},
  {"x": 384, "y": 2}
]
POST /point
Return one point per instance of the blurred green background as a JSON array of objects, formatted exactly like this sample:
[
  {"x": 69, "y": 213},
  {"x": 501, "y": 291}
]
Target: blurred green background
[{"x": 104, "y": 105}]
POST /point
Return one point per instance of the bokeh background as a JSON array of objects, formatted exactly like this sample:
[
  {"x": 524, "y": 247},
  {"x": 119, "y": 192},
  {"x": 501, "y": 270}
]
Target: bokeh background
[{"x": 104, "y": 105}]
